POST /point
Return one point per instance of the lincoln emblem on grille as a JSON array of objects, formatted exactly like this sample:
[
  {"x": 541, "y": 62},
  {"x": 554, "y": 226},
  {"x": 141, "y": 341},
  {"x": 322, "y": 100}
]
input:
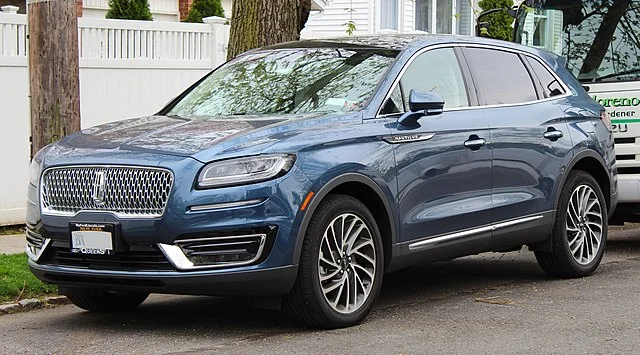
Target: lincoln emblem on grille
[{"x": 97, "y": 190}]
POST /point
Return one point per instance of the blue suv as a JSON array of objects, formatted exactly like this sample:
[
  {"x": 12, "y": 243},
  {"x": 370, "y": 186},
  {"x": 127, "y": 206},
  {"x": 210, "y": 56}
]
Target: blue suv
[{"x": 308, "y": 170}]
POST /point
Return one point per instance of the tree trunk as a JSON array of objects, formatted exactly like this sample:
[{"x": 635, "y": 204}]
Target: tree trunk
[
  {"x": 259, "y": 23},
  {"x": 603, "y": 37},
  {"x": 53, "y": 71}
]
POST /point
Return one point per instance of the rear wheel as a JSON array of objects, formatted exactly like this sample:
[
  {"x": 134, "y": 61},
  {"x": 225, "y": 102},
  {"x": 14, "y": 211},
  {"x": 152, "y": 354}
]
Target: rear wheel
[
  {"x": 341, "y": 266},
  {"x": 580, "y": 231},
  {"x": 101, "y": 300}
]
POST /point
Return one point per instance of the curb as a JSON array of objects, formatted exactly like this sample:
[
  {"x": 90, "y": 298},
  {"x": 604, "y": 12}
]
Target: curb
[{"x": 32, "y": 304}]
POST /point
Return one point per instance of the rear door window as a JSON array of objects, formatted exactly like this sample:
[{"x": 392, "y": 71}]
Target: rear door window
[{"x": 501, "y": 76}]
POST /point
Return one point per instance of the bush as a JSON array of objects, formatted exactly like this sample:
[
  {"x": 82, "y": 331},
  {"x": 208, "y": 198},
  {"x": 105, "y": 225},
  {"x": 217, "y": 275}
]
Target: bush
[
  {"x": 204, "y": 8},
  {"x": 129, "y": 10},
  {"x": 500, "y": 22}
]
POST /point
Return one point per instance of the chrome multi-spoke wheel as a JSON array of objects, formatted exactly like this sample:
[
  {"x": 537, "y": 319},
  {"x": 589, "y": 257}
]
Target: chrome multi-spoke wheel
[
  {"x": 579, "y": 233},
  {"x": 341, "y": 265},
  {"x": 346, "y": 263},
  {"x": 584, "y": 224}
]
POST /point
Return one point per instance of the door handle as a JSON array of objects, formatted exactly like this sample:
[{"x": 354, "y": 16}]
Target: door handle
[
  {"x": 475, "y": 142},
  {"x": 552, "y": 134}
]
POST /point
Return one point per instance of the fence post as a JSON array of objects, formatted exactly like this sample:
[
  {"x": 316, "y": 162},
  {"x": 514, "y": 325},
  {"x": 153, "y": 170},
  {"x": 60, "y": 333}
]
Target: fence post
[
  {"x": 10, "y": 9},
  {"x": 219, "y": 36}
]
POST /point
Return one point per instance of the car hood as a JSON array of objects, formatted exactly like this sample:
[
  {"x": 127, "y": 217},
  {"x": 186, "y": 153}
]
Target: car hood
[{"x": 176, "y": 136}]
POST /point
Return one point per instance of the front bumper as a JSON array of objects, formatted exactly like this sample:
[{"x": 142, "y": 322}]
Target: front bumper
[
  {"x": 190, "y": 214},
  {"x": 275, "y": 281}
]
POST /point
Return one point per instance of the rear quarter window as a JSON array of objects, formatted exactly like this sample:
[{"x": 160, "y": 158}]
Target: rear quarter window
[
  {"x": 501, "y": 76},
  {"x": 550, "y": 85}
]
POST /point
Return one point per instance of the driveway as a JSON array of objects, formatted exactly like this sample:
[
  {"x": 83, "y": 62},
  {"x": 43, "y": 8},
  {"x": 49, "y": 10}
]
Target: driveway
[{"x": 497, "y": 303}]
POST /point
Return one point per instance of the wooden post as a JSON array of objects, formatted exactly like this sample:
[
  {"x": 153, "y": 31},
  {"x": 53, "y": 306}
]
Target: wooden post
[{"x": 53, "y": 71}]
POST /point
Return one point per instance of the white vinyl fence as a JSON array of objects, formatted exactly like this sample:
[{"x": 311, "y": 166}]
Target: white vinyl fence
[{"x": 127, "y": 69}]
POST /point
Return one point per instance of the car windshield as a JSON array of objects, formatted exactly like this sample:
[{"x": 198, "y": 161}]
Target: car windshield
[{"x": 301, "y": 80}]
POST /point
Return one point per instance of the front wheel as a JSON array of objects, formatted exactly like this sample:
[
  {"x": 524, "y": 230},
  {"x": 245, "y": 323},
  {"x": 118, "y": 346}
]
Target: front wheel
[
  {"x": 580, "y": 231},
  {"x": 341, "y": 265},
  {"x": 103, "y": 301}
]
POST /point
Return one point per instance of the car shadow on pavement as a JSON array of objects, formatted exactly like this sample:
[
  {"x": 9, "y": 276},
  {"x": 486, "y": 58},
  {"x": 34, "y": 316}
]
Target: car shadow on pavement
[
  {"x": 472, "y": 276},
  {"x": 468, "y": 275},
  {"x": 624, "y": 247},
  {"x": 215, "y": 315}
]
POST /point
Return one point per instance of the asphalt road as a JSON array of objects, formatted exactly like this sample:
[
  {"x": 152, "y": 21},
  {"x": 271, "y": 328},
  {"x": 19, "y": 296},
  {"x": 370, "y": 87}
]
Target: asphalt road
[{"x": 492, "y": 303}]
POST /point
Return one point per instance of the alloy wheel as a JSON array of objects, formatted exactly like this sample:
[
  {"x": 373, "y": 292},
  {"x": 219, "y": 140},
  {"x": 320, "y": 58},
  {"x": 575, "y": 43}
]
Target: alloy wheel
[
  {"x": 347, "y": 263},
  {"x": 584, "y": 224}
]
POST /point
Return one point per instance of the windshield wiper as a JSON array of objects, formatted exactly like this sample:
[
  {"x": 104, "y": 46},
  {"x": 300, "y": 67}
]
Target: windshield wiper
[{"x": 178, "y": 117}]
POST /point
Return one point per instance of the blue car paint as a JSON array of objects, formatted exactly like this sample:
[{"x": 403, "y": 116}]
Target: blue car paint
[{"x": 414, "y": 184}]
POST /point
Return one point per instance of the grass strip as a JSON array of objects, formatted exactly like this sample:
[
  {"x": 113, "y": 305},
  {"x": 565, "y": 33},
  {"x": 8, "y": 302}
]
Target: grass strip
[
  {"x": 17, "y": 281},
  {"x": 9, "y": 230}
]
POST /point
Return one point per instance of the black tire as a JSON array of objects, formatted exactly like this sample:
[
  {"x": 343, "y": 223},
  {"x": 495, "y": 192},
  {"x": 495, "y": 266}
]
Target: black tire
[
  {"x": 103, "y": 301},
  {"x": 561, "y": 262},
  {"x": 307, "y": 301}
]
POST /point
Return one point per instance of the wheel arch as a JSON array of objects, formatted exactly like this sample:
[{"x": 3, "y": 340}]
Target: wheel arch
[
  {"x": 366, "y": 190},
  {"x": 593, "y": 164}
]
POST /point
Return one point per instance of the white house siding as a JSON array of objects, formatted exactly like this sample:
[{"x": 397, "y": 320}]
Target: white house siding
[
  {"x": 408, "y": 14},
  {"x": 331, "y": 22}
]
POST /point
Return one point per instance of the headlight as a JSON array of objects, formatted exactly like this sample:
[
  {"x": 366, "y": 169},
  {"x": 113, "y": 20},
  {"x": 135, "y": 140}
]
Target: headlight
[{"x": 244, "y": 171}]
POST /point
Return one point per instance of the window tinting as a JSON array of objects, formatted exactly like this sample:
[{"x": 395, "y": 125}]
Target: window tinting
[
  {"x": 501, "y": 76},
  {"x": 437, "y": 71},
  {"x": 548, "y": 82}
]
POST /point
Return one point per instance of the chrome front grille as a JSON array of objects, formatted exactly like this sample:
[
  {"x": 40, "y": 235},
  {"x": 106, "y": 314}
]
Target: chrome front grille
[{"x": 126, "y": 191}]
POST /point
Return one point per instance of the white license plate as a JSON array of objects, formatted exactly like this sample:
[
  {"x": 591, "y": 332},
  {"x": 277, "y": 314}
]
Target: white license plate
[{"x": 87, "y": 241}]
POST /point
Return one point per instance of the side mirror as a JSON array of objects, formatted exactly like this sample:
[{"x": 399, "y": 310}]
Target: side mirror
[{"x": 421, "y": 104}]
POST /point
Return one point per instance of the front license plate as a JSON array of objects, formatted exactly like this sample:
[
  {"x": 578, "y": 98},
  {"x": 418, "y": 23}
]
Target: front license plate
[{"x": 89, "y": 238}]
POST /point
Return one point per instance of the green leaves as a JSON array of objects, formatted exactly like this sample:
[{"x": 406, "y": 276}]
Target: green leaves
[
  {"x": 351, "y": 27},
  {"x": 204, "y": 8},
  {"x": 499, "y": 22},
  {"x": 129, "y": 10}
]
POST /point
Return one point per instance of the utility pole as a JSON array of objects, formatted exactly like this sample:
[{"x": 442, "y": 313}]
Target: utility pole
[{"x": 53, "y": 71}]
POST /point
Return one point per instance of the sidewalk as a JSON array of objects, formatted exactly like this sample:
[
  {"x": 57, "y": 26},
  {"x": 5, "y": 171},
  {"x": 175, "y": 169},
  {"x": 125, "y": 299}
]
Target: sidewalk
[{"x": 12, "y": 244}]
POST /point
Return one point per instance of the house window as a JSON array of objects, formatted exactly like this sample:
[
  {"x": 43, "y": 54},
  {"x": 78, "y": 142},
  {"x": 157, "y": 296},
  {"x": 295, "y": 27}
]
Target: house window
[
  {"x": 540, "y": 34},
  {"x": 435, "y": 16},
  {"x": 444, "y": 16},
  {"x": 464, "y": 18},
  {"x": 423, "y": 15},
  {"x": 389, "y": 14}
]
